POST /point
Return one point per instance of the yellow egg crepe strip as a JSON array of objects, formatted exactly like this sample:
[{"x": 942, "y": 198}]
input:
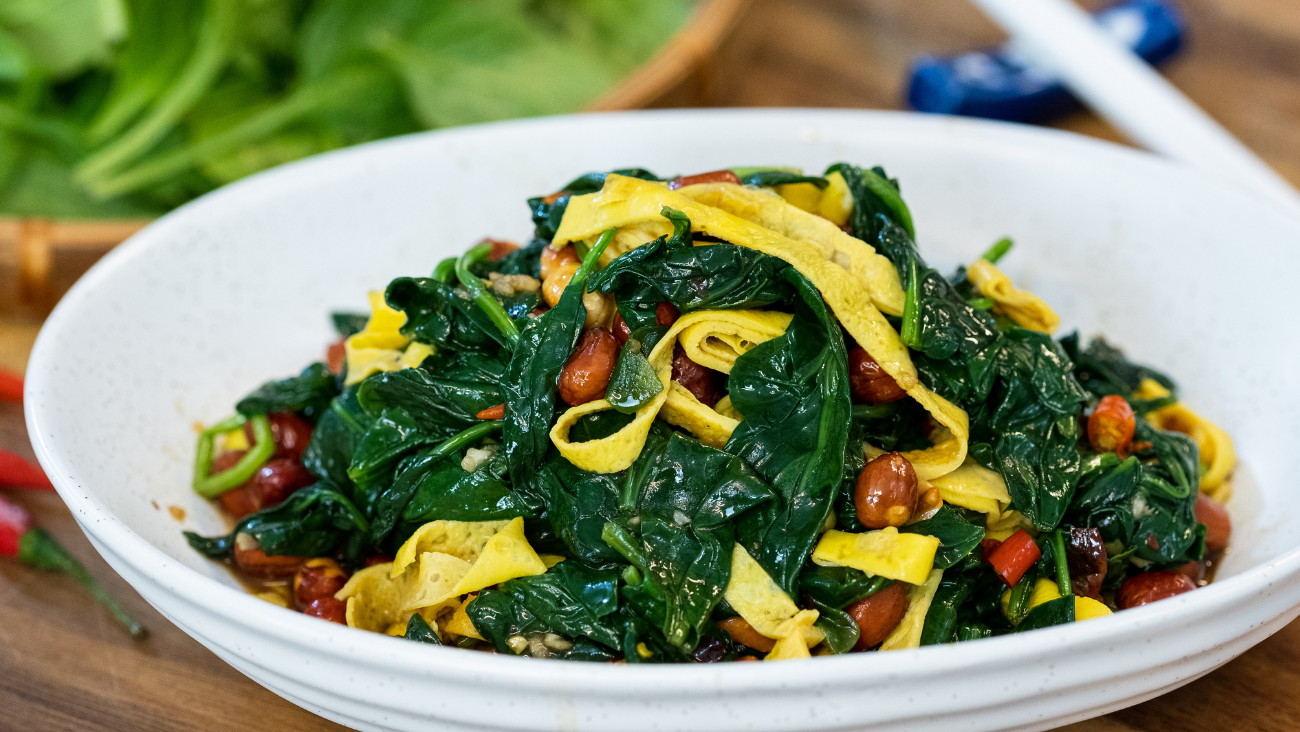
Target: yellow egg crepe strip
[
  {"x": 431, "y": 583},
  {"x": 884, "y": 553},
  {"x": 463, "y": 539},
  {"x": 1216, "y": 447},
  {"x": 506, "y": 556},
  {"x": 460, "y": 624},
  {"x": 627, "y": 201},
  {"x": 1045, "y": 590},
  {"x": 440, "y": 562},
  {"x": 1003, "y": 526},
  {"x": 753, "y": 594},
  {"x": 876, "y": 273},
  {"x": 718, "y": 338},
  {"x": 975, "y": 487},
  {"x": 380, "y": 346},
  {"x": 795, "y": 636},
  {"x": 374, "y": 600},
  {"x": 1027, "y": 309},
  {"x": 908, "y": 633}
]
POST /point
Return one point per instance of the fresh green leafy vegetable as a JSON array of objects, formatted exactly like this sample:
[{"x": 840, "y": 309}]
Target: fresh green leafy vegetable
[
  {"x": 957, "y": 536},
  {"x": 309, "y": 393},
  {"x": 793, "y": 392},
  {"x": 418, "y": 630},
  {"x": 530, "y": 382},
  {"x": 1053, "y": 612},
  {"x": 941, "y": 621},
  {"x": 839, "y": 587},
  {"x": 150, "y": 103},
  {"x": 439, "y": 406},
  {"x": 682, "y": 503},
  {"x": 308, "y": 524},
  {"x": 634, "y": 382},
  {"x": 705, "y": 277},
  {"x": 571, "y": 601}
]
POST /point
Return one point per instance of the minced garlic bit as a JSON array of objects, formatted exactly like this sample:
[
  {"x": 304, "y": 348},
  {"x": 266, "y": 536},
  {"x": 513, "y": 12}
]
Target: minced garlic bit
[
  {"x": 507, "y": 285},
  {"x": 474, "y": 457}
]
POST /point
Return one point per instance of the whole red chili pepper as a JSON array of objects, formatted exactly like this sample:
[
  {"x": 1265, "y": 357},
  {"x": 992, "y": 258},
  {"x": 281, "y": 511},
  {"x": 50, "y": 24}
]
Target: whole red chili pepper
[
  {"x": 11, "y": 386},
  {"x": 16, "y": 472},
  {"x": 35, "y": 547}
]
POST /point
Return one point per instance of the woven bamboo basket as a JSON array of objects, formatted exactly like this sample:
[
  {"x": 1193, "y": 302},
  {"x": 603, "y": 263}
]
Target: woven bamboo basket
[{"x": 41, "y": 258}]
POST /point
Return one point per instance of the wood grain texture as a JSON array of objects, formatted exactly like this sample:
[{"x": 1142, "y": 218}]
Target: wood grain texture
[{"x": 64, "y": 664}]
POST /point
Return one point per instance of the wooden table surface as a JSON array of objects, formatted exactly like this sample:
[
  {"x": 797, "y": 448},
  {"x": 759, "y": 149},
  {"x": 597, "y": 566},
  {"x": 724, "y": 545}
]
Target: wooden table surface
[{"x": 64, "y": 665}]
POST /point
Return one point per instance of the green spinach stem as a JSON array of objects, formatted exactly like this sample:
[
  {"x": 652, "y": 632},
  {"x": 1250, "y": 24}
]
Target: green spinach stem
[
  {"x": 1062, "y": 566},
  {"x": 997, "y": 251},
  {"x": 445, "y": 270},
  {"x": 484, "y": 299},
  {"x": 911, "y": 307}
]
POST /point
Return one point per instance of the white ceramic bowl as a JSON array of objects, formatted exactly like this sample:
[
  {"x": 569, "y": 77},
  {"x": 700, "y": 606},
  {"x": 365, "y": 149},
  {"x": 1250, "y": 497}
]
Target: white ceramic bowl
[{"x": 1187, "y": 274}]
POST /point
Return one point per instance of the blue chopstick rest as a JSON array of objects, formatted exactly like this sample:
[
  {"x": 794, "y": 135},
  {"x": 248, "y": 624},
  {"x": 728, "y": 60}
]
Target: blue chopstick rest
[{"x": 1004, "y": 84}]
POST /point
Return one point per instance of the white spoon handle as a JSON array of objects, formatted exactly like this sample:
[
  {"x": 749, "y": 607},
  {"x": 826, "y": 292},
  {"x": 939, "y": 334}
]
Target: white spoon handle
[{"x": 1130, "y": 94}]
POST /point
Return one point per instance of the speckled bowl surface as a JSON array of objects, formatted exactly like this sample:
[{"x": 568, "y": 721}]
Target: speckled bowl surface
[{"x": 169, "y": 330}]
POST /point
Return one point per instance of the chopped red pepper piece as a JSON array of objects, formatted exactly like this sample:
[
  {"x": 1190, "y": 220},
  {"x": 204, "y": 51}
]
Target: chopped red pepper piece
[
  {"x": 1016, "y": 555},
  {"x": 497, "y": 412},
  {"x": 16, "y": 472},
  {"x": 11, "y": 386},
  {"x": 35, "y": 547},
  {"x": 987, "y": 547}
]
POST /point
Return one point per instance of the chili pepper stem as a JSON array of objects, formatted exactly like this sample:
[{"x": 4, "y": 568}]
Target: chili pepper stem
[{"x": 39, "y": 549}]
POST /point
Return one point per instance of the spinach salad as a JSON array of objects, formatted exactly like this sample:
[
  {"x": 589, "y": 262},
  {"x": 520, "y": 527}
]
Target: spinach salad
[{"x": 727, "y": 416}]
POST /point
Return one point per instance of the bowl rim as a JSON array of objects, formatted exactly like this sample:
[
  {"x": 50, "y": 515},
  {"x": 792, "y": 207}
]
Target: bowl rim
[{"x": 397, "y": 655}]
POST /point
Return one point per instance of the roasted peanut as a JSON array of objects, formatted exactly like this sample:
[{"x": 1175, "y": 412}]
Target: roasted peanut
[
  {"x": 927, "y": 501},
  {"x": 318, "y": 577},
  {"x": 1217, "y": 522},
  {"x": 500, "y": 248},
  {"x": 278, "y": 479},
  {"x": 878, "y": 615},
  {"x": 714, "y": 176},
  {"x": 868, "y": 382},
  {"x": 554, "y": 283},
  {"x": 703, "y": 382},
  {"x": 600, "y": 310},
  {"x": 553, "y": 259},
  {"x": 240, "y": 502},
  {"x": 622, "y": 331},
  {"x": 743, "y": 633},
  {"x": 885, "y": 494},
  {"x": 1194, "y": 571},
  {"x": 254, "y": 562},
  {"x": 1111, "y": 425},
  {"x": 327, "y": 608},
  {"x": 1151, "y": 587},
  {"x": 586, "y": 374},
  {"x": 335, "y": 355}
]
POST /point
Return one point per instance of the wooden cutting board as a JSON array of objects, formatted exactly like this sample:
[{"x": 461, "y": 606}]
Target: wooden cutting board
[{"x": 64, "y": 665}]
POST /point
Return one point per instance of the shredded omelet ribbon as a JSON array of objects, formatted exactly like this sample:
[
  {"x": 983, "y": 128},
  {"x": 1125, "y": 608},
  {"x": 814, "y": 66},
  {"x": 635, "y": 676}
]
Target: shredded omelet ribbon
[
  {"x": 628, "y": 202},
  {"x": 1026, "y": 308},
  {"x": 712, "y": 338},
  {"x": 442, "y": 561}
]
